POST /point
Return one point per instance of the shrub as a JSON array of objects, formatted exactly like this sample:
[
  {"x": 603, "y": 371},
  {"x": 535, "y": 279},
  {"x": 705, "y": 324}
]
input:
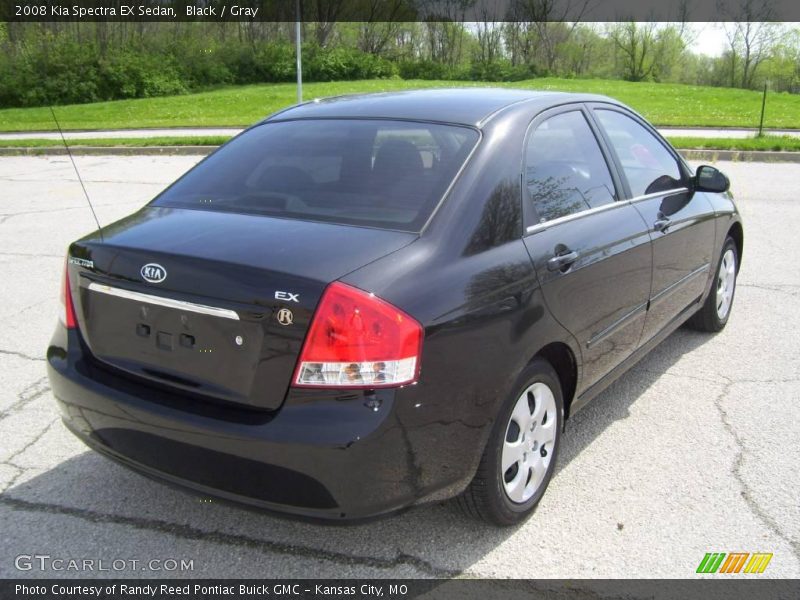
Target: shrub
[
  {"x": 323, "y": 64},
  {"x": 274, "y": 63},
  {"x": 60, "y": 73},
  {"x": 501, "y": 70},
  {"x": 59, "y": 70},
  {"x": 203, "y": 64},
  {"x": 424, "y": 69},
  {"x": 127, "y": 74}
]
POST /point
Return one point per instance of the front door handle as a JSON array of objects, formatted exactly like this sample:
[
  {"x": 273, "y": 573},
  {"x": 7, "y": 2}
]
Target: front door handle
[
  {"x": 561, "y": 260},
  {"x": 662, "y": 224}
]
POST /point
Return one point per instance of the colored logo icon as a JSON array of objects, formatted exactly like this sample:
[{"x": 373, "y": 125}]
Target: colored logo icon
[{"x": 734, "y": 562}]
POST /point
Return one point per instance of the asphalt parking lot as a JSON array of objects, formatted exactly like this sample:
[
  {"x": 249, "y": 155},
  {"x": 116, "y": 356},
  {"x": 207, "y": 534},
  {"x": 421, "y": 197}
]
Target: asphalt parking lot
[{"x": 695, "y": 450}]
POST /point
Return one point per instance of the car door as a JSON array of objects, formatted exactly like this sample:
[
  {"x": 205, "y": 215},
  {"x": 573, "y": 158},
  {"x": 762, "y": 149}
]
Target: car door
[
  {"x": 680, "y": 223},
  {"x": 590, "y": 248}
]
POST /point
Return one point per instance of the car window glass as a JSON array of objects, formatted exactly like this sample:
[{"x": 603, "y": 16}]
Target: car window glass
[
  {"x": 378, "y": 173},
  {"x": 648, "y": 165},
  {"x": 565, "y": 171}
]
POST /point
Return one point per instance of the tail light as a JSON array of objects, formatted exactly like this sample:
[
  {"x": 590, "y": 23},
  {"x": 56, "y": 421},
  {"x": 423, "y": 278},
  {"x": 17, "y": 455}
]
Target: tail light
[
  {"x": 357, "y": 340},
  {"x": 67, "y": 315}
]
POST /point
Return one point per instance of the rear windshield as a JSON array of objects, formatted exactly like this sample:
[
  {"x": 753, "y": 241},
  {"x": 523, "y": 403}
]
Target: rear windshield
[{"x": 387, "y": 174}]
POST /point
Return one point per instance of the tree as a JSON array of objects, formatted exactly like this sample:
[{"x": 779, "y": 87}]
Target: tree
[
  {"x": 325, "y": 14},
  {"x": 668, "y": 50},
  {"x": 782, "y": 68},
  {"x": 635, "y": 44},
  {"x": 444, "y": 28},
  {"x": 583, "y": 51},
  {"x": 489, "y": 37},
  {"x": 444, "y": 41},
  {"x": 648, "y": 50},
  {"x": 541, "y": 28},
  {"x": 751, "y": 34},
  {"x": 382, "y": 23}
]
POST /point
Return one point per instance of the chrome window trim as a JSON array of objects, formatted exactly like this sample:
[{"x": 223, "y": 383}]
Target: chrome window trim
[
  {"x": 591, "y": 211},
  {"x": 574, "y": 216},
  {"x": 666, "y": 194},
  {"x": 162, "y": 301}
]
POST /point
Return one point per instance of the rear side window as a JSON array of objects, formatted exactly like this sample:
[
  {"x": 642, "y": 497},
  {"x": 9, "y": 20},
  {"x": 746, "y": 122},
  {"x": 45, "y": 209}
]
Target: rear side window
[
  {"x": 378, "y": 173},
  {"x": 649, "y": 167},
  {"x": 565, "y": 171}
]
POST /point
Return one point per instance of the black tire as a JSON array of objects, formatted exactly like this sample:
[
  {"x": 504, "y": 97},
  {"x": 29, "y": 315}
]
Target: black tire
[
  {"x": 707, "y": 318},
  {"x": 485, "y": 498}
]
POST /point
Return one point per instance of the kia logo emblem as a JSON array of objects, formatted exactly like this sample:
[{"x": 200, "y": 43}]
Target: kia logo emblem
[{"x": 153, "y": 272}]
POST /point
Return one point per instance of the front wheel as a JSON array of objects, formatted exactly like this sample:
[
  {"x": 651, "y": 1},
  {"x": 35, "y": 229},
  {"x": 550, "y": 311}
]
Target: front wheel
[
  {"x": 713, "y": 316},
  {"x": 520, "y": 455}
]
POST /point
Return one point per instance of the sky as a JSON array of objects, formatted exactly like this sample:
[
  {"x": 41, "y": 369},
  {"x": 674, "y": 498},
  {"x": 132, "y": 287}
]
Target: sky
[{"x": 709, "y": 39}]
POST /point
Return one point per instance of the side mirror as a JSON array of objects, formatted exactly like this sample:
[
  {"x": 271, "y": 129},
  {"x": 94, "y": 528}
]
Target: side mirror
[{"x": 710, "y": 179}]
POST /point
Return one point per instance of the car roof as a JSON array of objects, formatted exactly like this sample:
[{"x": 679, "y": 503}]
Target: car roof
[{"x": 466, "y": 106}]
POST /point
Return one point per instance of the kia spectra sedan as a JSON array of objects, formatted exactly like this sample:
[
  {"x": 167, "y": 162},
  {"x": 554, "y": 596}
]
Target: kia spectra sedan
[{"x": 369, "y": 302}]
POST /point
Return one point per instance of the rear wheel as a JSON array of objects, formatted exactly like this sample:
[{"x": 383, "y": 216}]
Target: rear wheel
[
  {"x": 520, "y": 456},
  {"x": 713, "y": 316}
]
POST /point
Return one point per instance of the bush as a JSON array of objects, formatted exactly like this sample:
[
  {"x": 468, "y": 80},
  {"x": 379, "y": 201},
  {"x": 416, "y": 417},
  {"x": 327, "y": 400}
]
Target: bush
[
  {"x": 59, "y": 70},
  {"x": 127, "y": 74},
  {"x": 203, "y": 64},
  {"x": 63, "y": 72},
  {"x": 501, "y": 70},
  {"x": 322, "y": 64},
  {"x": 274, "y": 63},
  {"x": 424, "y": 69}
]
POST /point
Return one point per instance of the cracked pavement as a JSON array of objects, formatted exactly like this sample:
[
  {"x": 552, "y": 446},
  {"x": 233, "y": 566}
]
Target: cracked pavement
[{"x": 694, "y": 450}]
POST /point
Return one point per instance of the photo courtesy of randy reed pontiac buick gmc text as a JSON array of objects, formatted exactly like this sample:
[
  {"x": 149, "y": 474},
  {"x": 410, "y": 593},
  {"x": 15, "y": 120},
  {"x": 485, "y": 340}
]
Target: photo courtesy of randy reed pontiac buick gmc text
[{"x": 241, "y": 590}]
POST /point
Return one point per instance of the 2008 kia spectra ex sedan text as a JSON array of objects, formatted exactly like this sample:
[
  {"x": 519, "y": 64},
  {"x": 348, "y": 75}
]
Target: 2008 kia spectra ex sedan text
[{"x": 369, "y": 302}]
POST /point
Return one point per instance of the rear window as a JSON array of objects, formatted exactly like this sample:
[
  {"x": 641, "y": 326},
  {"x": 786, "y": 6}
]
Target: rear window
[{"x": 388, "y": 174}]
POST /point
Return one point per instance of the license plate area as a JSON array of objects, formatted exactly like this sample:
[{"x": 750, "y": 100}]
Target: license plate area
[{"x": 205, "y": 351}]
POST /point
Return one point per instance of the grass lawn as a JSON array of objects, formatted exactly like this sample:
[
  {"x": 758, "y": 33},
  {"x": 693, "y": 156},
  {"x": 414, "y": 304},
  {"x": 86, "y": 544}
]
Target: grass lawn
[
  {"x": 210, "y": 140},
  {"x": 663, "y": 104},
  {"x": 770, "y": 142}
]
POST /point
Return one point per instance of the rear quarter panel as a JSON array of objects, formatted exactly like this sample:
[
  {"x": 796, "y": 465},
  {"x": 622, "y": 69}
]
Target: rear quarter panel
[{"x": 470, "y": 281}]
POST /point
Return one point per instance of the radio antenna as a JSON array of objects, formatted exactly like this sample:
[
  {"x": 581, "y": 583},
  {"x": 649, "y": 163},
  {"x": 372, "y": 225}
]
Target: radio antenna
[{"x": 77, "y": 173}]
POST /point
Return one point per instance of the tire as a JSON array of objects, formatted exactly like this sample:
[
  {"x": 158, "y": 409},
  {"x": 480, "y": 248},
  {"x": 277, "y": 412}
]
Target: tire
[
  {"x": 714, "y": 314},
  {"x": 509, "y": 497}
]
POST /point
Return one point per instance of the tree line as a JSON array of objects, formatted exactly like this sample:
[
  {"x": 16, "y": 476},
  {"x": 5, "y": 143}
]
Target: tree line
[{"x": 57, "y": 63}]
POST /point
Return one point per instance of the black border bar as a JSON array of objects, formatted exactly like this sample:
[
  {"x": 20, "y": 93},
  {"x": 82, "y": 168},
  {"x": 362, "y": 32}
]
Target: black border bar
[
  {"x": 711, "y": 588},
  {"x": 400, "y": 10}
]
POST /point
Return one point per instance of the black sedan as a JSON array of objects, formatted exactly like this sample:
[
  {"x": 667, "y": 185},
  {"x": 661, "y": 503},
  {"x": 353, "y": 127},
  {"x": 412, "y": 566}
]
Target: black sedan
[{"x": 369, "y": 302}]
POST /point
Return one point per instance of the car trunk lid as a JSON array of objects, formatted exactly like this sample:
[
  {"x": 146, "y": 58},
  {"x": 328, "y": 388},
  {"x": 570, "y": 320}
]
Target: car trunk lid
[{"x": 215, "y": 304}]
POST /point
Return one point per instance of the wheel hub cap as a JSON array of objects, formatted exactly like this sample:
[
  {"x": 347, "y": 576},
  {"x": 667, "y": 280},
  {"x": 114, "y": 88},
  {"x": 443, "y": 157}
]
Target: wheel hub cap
[
  {"x": 726, "y": 281},
  {"x": 530, "y": 435}
]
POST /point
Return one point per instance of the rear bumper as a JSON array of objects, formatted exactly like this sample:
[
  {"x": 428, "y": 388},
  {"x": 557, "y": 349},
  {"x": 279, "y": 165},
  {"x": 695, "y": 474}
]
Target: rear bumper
[{"x": 326, "y": 455}]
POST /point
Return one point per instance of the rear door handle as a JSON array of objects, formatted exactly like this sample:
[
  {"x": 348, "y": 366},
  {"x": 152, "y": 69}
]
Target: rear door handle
[
  {"x": 559, "y": 261},
  {"x": 662, "y": 224}
]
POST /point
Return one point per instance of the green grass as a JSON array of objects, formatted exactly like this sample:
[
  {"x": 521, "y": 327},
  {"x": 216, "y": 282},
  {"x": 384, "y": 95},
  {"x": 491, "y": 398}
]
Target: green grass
[
  {"x": 769, "y": 142},
  {"x": 782, "y": 143},
  {"x": 663, "y": 104},
  {"x": 211, "y": 140}
]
